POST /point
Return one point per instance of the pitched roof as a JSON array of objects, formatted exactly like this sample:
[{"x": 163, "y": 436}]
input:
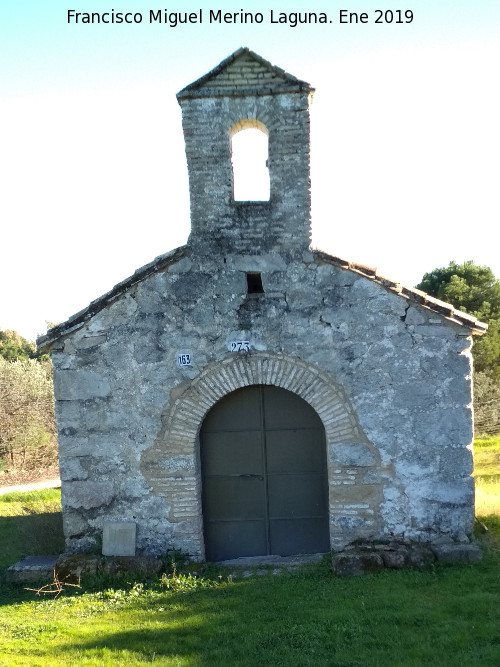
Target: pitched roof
[
  {"x": 244, "y": 73},
  {"x": 77, "y": 320},
  {"x": 413, "y": 295}
]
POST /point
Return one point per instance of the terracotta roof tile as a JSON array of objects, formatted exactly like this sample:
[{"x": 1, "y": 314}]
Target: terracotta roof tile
[
  {"x": 77, "y": 320},
  {"x": 413, "y": 294}
]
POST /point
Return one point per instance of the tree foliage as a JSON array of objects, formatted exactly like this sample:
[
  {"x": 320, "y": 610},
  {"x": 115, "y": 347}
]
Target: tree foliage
[
  {"x": 472, "y": 288},
  {"x": 475, "y": 290},
  {"x": 27, "y": 424},
  {"x": 13, "y": 346}
]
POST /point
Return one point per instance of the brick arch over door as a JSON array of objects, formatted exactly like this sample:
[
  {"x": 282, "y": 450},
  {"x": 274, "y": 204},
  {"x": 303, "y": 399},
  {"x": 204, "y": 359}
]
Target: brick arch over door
[{"x": 171, "y": 465}]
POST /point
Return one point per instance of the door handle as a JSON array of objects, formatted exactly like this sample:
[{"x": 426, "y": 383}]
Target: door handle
[{"x": 250, "y": 476}]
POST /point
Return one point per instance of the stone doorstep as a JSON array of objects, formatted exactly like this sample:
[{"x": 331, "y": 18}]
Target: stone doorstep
[
  {"x": 73, "y": 566},
  {"x": 70, "y": 567},
  {"x": 254, "y": 565},
  {"x": 32, "y": 568},
  {"x": 272, "y": 561},
  {"x": 351, "y": 562}
]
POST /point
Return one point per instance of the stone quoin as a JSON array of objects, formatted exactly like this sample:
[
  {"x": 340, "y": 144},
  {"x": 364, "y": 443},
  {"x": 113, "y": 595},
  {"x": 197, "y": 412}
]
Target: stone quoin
[{"x": 245, "y": 395}]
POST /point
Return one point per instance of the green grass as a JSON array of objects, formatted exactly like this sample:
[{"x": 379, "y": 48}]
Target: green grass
[
  {"x": 444, "y": 616},
  {"x": 487, "y": 475},
  {"x": 30, "y": 523}
]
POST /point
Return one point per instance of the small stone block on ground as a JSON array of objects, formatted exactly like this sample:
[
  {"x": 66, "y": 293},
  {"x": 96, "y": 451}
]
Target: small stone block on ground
[
  {"x": 71, "y": 567},
  {"x": 356, "y": 564},
  {"x": 457, "y": 553},
  {"x": 32, "y": 568},
  {"x": 146, "y": 566},
  {"x": 395, "y": 560},
  {"x": 118, "y": 538}
]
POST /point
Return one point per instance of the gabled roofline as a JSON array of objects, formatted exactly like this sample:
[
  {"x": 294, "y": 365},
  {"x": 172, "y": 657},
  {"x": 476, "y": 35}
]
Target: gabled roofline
[
  {"x": 412, "y": 294},
  {"x": 78, "y": 320},
  {"x": 192, "y": 90},
  {"x": 162, "y": 262}
]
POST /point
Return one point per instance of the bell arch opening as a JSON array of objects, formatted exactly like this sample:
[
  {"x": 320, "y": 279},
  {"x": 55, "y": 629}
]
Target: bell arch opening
[{"x": 249, "y": 160}]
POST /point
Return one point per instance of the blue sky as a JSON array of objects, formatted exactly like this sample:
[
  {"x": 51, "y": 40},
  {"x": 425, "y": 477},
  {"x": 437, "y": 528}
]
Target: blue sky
[{"x": 404, "y": 146}]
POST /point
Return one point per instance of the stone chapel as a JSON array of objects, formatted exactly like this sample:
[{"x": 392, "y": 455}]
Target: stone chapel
[{"x": 245, "y": 395}]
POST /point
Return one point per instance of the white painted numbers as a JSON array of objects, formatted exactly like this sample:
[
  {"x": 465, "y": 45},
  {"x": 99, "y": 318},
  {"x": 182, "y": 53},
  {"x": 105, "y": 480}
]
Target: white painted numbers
[{"x": 184, "y": 358}]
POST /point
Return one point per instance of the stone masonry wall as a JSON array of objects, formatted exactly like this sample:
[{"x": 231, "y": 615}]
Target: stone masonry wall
[
  {"x": 390, "y": 380},
  {"x": 243, "y": 75},
  {"x": 136, "y": 373}
]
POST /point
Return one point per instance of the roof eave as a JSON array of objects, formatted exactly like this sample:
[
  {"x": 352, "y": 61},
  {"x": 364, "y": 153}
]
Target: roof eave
[
  {"x": 445, "y": 310},
  {"x": 80, "y": 318}
]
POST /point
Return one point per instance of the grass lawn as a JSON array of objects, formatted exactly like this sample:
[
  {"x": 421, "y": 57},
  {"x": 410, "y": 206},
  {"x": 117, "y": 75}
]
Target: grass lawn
[
  {"x": 440, "y": 616},
  {"x": 30, "y": 523},
  {"x": 487, "y": 475}
]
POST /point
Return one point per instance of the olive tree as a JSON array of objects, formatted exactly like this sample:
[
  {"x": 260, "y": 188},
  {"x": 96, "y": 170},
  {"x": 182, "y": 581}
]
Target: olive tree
[{"x": 27, "y": 424}]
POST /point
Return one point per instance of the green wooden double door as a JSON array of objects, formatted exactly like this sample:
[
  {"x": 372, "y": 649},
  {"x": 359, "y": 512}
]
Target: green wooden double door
[{"x": 264, "y": 476}]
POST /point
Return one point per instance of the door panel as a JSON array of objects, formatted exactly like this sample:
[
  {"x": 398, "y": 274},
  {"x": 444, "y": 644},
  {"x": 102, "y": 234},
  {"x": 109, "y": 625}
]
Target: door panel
[
  {"x": 285, "y": 410},
  {"x": 299, "y": 536},
  {"x": 235, "y": 539},
  {"x": 235, "y": 411},
  {"x": 234, "y": 498},
  {"x": 264, "y": 477},
  {"x": 296, "y": 496},
  {"x": 298, "y": 451},
  {"x": 230, "y": 453}
]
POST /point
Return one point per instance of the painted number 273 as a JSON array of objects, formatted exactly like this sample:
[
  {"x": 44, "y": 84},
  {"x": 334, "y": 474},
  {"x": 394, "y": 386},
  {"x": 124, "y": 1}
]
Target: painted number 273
[{"x": 240, "y": 346}]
